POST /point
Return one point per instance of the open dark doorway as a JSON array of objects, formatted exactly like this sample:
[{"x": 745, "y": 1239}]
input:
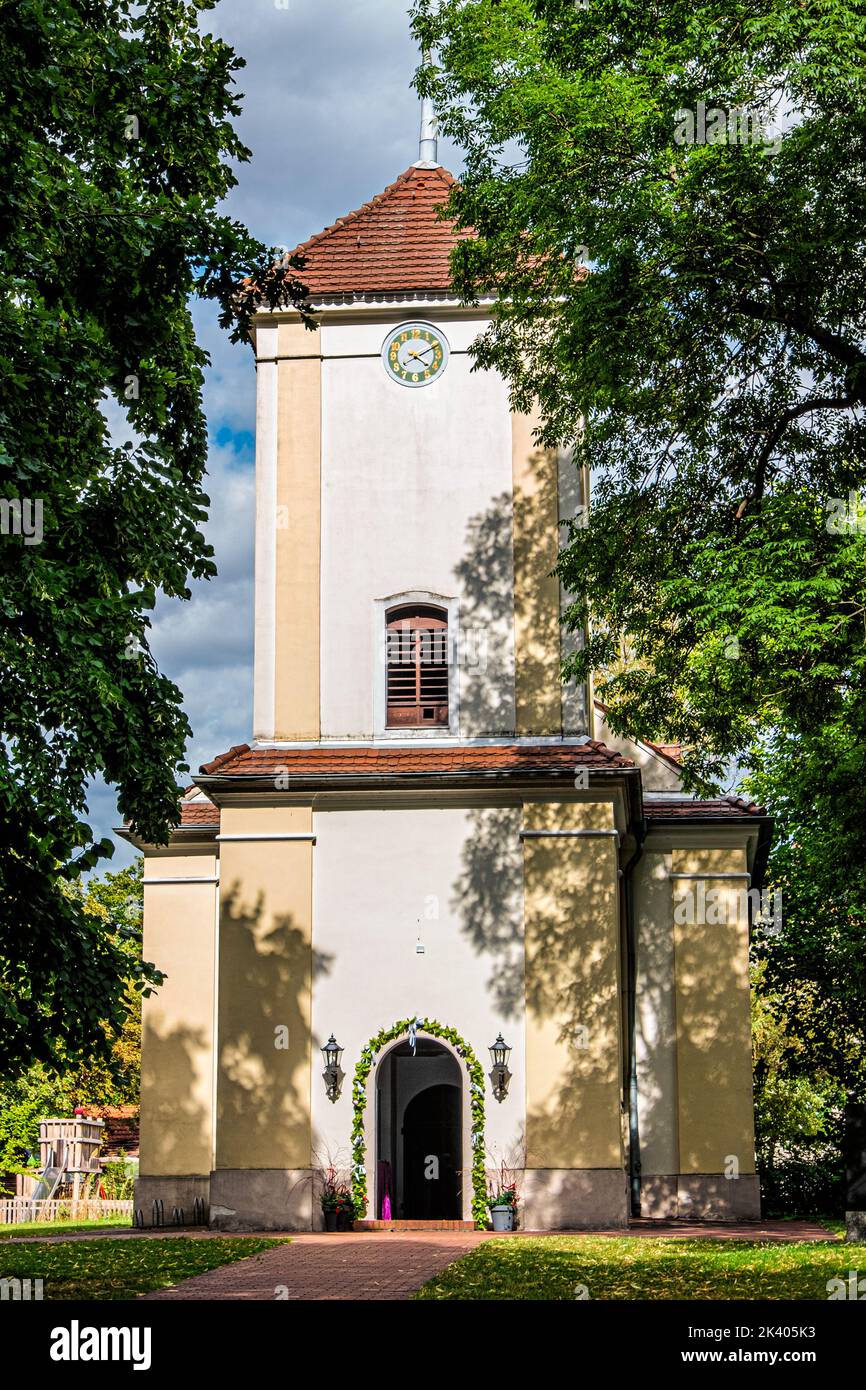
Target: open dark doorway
[
  {"x": 419, "y": 1133},
  {"x": 431, "y": 1148}
]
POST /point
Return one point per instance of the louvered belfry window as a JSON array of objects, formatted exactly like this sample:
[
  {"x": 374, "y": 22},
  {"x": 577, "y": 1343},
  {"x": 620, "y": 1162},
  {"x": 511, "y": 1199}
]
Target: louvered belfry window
[{"x": 417, "y": 654}]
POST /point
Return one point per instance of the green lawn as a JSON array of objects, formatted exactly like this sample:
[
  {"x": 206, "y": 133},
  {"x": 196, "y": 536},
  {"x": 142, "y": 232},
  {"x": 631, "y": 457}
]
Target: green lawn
[
  {"x": 833, "y": 1223},
  {"x": 108, "y": 1269},
  {"x": 60, "y": 1228},
  {"x": 561, "y": 1267}
]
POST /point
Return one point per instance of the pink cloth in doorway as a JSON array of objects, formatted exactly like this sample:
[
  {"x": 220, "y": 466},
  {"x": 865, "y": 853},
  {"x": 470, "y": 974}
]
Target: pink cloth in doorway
[{"x": 385, "y": 1189}]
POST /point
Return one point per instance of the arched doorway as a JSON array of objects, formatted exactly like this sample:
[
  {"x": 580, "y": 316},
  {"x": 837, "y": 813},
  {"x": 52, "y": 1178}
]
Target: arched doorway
[{"x": 419, "y": 1102}]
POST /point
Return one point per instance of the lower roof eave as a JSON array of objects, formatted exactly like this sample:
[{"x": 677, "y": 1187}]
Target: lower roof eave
[
  {"x": 216, "y": 785},
  {"x": 204, "y": 835},
  {"x": 757, "y": 824},
  {"x": 698, "y": 818}
]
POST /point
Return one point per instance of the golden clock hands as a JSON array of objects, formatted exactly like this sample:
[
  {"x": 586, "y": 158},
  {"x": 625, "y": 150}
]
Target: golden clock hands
[{"x": 419, "y": 355}]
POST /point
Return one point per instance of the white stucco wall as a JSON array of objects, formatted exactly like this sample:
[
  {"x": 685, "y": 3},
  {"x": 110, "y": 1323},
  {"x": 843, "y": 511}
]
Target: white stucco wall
[
  {"x": 379, "y": 879},
  {"x": 416, "y": 495}
]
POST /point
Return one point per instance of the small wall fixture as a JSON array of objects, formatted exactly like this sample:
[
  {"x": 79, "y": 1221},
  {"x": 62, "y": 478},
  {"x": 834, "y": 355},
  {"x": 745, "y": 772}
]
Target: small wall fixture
[
  {"x": 500, "y": 1075},
  {"x": 333, "y": 1074}
]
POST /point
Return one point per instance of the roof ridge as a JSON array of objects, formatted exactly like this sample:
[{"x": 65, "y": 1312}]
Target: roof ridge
[
  {"x": 445, "y": 177},
  {"x": 744, "y": 803},
  {"x": 601, "y": 747},
  {"x": 236, "y": 751}
]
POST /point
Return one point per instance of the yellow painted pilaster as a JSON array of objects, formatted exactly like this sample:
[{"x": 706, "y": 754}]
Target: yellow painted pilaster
[
  {"x": 177, "y": 1019},
  {"x": 535, "y": 476},
  {"x": 298, "y": 539},
  {"x": 573, "y": 1015},
  {"x": 714, "y": 1067},
  {"x": 264, "y": 1077}
]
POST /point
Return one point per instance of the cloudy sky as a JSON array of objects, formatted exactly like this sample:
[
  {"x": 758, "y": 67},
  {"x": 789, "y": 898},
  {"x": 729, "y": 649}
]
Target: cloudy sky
[{"x": 330, "y": 119}]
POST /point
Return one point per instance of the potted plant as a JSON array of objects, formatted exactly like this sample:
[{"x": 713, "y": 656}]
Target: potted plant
[
  {"x": 330, "y": 1207},
  {"x": 345, "y": 1209},
  {"x": 503, "y": 1208},
  {"x": 330, "y": 1198}
]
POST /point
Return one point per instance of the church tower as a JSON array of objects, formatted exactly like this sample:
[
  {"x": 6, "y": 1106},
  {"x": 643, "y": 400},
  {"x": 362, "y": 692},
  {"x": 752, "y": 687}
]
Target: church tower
[
  {"x": 425, "y": 928},
  {"x": 396, "y": 490}
]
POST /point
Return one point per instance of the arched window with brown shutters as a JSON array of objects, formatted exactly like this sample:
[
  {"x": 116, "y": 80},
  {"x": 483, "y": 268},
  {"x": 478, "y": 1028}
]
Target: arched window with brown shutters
[{"x": 417, "y": 655}]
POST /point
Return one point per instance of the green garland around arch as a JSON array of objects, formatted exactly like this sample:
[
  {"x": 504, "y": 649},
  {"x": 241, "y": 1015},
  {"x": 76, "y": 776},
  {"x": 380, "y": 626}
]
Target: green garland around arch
[{"x": 476, "y": 1100}]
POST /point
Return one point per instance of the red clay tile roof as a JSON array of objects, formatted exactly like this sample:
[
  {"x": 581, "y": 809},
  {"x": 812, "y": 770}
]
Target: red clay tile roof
[
  {"x": 672, "y": 751},
  {"x": 394, "y": 242},
  {"x": 244, "y": 761},
  {"x": 121, "y": 1133},
  {"x": 199, "y": 813},
  {"x": 236, "y": 751},
  {"x": 683, "y": 808}
]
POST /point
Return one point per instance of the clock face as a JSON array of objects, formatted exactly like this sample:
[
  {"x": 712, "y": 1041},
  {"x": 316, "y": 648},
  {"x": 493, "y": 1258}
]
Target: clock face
[{"x": 415, "y": 354}]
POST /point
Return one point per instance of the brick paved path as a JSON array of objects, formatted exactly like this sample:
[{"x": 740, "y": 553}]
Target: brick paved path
[
  {"x": 316, "y": 1267},
  {"x": 367, "y": 1266}
]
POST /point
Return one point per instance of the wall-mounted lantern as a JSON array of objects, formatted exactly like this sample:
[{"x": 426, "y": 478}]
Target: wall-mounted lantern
[
  {"x": 500, "y": 1075},
  {"x": 332, "y": 1053}
]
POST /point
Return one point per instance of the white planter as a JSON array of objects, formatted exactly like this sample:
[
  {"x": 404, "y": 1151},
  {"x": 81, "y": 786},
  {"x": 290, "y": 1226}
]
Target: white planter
[{"x": 502, "y": 1218}]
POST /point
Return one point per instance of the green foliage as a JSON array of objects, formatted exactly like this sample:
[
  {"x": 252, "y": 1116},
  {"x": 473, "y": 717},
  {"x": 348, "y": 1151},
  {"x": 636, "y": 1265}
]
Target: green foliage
[
  {"x": 36, "y": 1092},
  {"x": 39, "y": 1094},
  {"x": 799, "y": 1098},
  {"x": 476, "y": 1103},
  {"x": 117, "y": 1180},
  {"x": 791, "y": 1107},
  {"x": 733, "y": 629},
  {"x": 627, "y": 1268},
  {"x": 505, "y": 1197},
  {"x": 118, "y": 900},
  {"x": 809, "y": 995},
  {"x": 704, "y": 371},
  {"x": 62, "y": 1226},
  {"x": 811, "y": 1181},
  {"x": 816, "y": 966},
  {"x": 117, "y": 142},
  {"x": 338, "y": 1201},
  {"x": 23, "y": 1103}
]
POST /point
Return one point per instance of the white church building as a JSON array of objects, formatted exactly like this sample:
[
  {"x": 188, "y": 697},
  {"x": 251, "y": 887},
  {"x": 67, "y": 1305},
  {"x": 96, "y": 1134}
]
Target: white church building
[{"x": 429, "y": 853}]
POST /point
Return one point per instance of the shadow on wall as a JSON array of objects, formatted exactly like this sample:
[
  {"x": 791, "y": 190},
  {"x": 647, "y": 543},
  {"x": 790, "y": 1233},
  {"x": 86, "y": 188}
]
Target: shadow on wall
[
  {"x": 572, "y": 998},
  {"x": 264, "y": 1047},
  {"x": 655, "y": 1024},
  {"x": 485, "y": 579},
  {"x": 573, "y": 1001},
  {"x": 714, "y": 1063},
  {"x": 487, "y": 898},
  {"x": 175, "y": 1124},
  {"x": 510, "y": 612}
]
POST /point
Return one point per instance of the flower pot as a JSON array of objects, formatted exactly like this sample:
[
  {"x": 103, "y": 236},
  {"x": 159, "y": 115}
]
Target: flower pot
[
  {"x": 345, "y": 1220},
  {"x": 502, "y": 1218},
  {"x": 330, "y": 1221}
]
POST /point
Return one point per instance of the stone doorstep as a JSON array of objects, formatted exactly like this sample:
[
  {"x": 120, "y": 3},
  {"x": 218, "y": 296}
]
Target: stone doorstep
[{"x": 414, "y": 1226}]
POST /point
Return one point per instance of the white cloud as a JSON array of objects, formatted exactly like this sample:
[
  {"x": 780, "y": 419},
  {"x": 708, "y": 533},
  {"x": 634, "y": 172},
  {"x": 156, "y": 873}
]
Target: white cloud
[{"x": 329, "y": 114}]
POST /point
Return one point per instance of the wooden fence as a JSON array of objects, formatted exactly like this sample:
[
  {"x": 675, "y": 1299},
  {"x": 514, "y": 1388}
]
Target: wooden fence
[{"x": 16, "y": 1209}]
